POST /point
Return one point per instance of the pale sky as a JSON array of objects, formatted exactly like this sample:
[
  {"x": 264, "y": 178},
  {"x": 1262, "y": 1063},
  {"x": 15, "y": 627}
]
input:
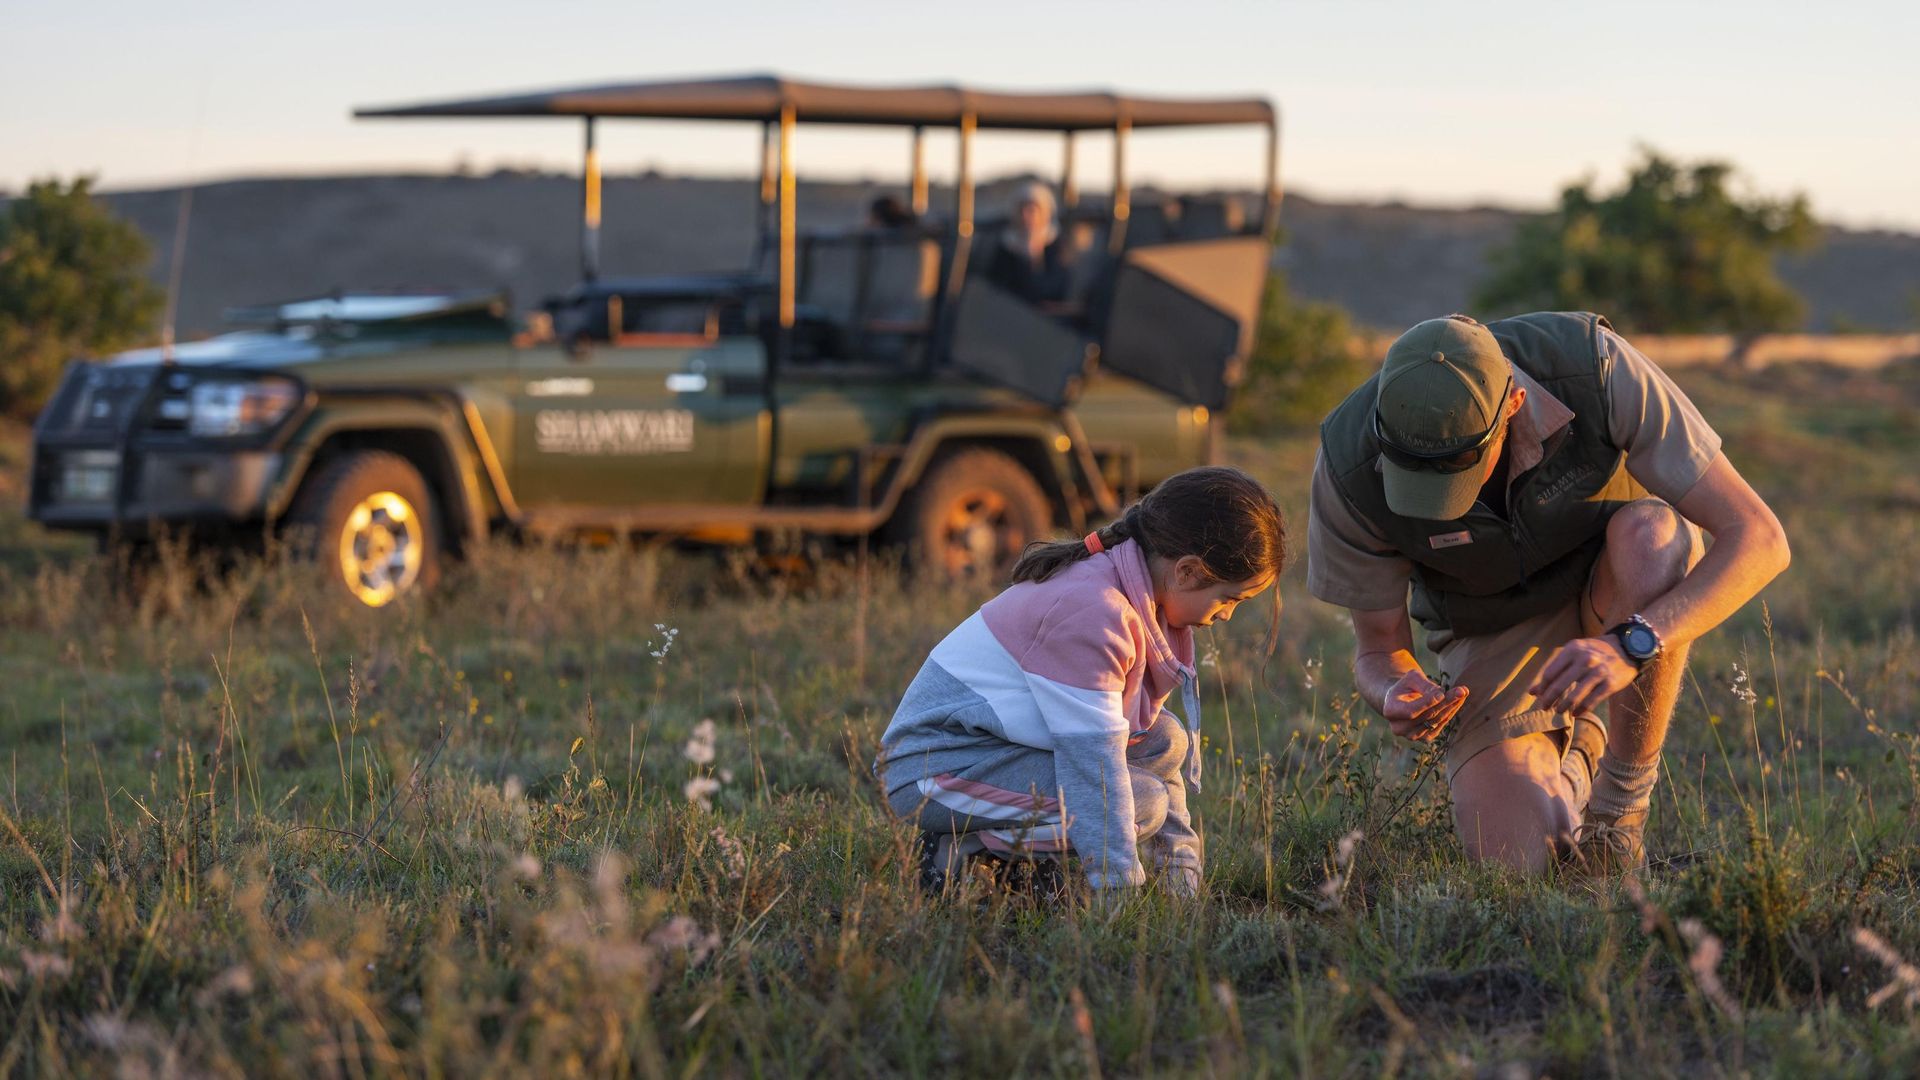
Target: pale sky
[{"x": 1432, "y": 103}]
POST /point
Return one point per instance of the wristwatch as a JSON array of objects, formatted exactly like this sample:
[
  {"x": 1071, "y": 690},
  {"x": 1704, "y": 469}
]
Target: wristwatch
[{"x": 1638, "y": 639}]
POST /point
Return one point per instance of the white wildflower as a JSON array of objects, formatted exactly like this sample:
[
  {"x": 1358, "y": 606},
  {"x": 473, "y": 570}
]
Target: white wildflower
[
  {"x": 1905, "y": 984},
  {"x": 41, "y": 965},
  {"x": 732, "y": 855},
  {"x": 667, "y": 634},
  {"x": 682, "y": 934},
  {"x": 1743, "y": 686},
  {"x": 700, "y": 791},
  {"x": 1336, "y": 883},
  {"x": 699, "y": 748},
  {"x": 107, "y": 1031},
  {"x": 1704, "y": 963},
  {"x": 1649, "y": 915}
]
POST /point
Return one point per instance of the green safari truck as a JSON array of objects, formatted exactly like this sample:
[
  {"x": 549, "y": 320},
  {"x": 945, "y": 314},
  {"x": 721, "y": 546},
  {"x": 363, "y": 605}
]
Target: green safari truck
[{"x": 845, "y": 383}]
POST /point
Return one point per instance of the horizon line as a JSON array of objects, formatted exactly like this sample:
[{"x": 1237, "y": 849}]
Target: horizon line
[{"x": 1312, "y": 194}]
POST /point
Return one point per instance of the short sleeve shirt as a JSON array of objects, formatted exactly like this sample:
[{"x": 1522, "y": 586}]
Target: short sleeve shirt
[{"x": 1669, "y": 447}]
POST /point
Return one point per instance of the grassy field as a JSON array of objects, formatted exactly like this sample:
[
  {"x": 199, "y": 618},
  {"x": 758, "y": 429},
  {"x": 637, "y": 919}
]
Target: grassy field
[{"x": 609, "y": 813}]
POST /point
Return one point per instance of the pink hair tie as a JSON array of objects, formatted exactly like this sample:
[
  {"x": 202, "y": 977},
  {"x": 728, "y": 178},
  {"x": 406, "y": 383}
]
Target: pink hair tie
[{"x": 1093, "y": 543}]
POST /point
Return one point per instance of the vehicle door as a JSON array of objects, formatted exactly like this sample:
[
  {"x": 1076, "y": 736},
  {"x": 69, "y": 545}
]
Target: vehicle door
[{"x": 641, "y": 418}]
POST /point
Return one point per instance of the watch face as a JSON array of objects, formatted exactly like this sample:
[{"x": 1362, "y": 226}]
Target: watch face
[{"x": 1639, "y": 641}]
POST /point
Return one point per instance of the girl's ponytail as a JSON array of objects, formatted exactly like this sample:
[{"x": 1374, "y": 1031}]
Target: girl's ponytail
[
  {"x": 1215, "y": 512},
  {"x": 1045, "y": 558}
]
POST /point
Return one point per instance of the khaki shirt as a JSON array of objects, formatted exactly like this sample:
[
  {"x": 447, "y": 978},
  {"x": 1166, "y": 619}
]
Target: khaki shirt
[{"x": 1668, "y": 443}]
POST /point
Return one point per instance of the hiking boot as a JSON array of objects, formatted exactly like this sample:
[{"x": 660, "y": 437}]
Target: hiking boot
[{"x": 1610, "y": 846}]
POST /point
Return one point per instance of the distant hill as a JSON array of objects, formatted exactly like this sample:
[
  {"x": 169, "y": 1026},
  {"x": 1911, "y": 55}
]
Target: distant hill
[{"x": 262, "y": 240}]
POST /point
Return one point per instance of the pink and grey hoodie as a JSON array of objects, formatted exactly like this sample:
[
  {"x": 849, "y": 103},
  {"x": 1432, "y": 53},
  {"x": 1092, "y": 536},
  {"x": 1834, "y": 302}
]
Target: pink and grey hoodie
[{"x": 1078, "y": 665}]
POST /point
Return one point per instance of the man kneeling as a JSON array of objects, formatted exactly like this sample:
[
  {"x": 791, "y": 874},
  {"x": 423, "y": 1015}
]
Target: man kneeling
[{"x": 1542, "y": 487}]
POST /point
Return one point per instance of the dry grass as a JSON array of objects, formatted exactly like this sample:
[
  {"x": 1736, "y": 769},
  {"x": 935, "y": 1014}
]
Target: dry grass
[{"x": 245, "y": 830}]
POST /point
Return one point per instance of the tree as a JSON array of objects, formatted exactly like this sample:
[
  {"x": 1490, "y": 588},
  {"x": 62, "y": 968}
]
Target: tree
[
  {"x": 70, "y": 283},
  {"x": 1305, "y": 363},
  {"x": 1672, "y": 252}
]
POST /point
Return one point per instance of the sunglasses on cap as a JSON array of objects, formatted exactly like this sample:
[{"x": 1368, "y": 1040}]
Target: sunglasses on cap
[{"x": 1446, "y": 461}]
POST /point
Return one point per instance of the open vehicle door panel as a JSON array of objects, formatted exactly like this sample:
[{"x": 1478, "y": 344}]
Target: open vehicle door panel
[{"x": 1182, "y": 316}]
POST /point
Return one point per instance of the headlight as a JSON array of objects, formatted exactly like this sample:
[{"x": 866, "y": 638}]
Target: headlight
[{"x": 221, "y": 409}]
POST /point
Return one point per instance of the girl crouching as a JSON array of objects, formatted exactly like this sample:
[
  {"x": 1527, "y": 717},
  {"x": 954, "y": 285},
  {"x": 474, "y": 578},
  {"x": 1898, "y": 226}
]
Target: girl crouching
[{"x": 1038, "y": 726}]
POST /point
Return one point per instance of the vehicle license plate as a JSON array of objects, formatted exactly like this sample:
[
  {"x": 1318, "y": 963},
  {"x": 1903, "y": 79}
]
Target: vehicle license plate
[{"x": 89, "y": 476}]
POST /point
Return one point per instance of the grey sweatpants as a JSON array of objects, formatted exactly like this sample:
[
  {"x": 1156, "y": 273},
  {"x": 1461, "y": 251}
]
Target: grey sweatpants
[{"x": 1010, "y": 799}]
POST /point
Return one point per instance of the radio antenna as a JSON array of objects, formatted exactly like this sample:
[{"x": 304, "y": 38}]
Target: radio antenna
[
  {"x": 177, "y": 261},
  {"x": 173, "y": 272}
]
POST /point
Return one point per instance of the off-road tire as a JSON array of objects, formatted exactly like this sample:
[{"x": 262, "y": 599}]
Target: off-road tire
[
  {"x": 971, "y": 514},
  {"x": 370, "y": 506}
]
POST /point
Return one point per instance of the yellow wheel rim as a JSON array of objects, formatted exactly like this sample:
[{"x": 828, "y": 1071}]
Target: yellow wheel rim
[
  {"x": 381, "y": 547},
  {"x": 977, "y": 533}
]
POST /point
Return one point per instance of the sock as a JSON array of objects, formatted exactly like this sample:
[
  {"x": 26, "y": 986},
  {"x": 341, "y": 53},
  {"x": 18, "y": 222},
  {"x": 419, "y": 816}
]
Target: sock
[
  {"x": 1588, "y": 739},
  {"x": 1621, "y": 788},
  {"x": 1578, "y": 778}
]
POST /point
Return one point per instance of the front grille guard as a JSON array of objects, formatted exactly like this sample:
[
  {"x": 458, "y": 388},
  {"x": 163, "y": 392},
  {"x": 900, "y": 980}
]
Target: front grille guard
[
  {"x": 61, "y": 427},
  {"x": 95, "y": 408}
]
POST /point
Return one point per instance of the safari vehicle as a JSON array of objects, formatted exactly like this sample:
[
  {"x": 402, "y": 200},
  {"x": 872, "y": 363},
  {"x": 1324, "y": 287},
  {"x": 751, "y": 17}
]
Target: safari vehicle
[{"x": 845, "y": 383}]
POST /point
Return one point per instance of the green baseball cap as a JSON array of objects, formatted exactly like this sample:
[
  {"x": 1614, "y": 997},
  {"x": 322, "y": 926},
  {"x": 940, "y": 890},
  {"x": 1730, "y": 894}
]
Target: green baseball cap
[{"x": 1441, "y": 391}]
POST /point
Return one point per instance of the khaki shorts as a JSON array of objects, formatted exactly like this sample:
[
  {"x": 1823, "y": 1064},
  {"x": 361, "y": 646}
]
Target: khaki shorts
[{"x": 1497, "y": 668}]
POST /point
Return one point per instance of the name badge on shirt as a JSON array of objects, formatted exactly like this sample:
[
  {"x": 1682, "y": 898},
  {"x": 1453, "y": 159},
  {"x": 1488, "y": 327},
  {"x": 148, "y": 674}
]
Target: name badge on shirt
[{"x": 1452, "y": 539}]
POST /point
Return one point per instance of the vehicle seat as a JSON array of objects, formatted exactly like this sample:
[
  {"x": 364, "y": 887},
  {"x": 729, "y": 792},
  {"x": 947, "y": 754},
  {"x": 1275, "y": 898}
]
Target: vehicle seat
[
  {"x": 1088, "y": 263},
  {"x": 1152, "y": 221},
  {"x": 903, "y": 274},
  {"x": 830, "y": 280},
  {"x": 1211, "y": 217},
  {"x": 903, "y": 277}
]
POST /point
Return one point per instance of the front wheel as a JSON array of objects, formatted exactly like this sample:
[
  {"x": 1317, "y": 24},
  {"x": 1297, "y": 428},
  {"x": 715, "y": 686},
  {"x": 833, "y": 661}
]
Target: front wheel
[
  {"x": 369, "y": 520},
  {"x": 972, "y": 514}
]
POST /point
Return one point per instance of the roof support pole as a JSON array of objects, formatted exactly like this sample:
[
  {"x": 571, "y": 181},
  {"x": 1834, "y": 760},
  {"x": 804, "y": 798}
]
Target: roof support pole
[
  {"x": 590, "y": 210},
  {"x": 1069, "y": 187},
  {"x": 1270, "y": 210},
  {"x": 917, "y": 188},
  {"x": 787, "y": 238},
  {"x": 962, "y": 242},
  {"x": 769, "y": 190},
  {"x": 963, "y": 201},
  {"x": 1122, "y": 195}
]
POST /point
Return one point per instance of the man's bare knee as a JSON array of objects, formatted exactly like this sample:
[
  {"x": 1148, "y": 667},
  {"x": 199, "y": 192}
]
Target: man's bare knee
[
  {"x": 1521, "y": 838},
  {"x": 1509, "y": 803},
  {"x": 1653, "y": 542}
]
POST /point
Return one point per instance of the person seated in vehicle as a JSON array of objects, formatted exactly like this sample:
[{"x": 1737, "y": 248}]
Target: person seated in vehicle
[
  {"x": 1030, "y": 260},
  {"x": 890, "y": 212}
]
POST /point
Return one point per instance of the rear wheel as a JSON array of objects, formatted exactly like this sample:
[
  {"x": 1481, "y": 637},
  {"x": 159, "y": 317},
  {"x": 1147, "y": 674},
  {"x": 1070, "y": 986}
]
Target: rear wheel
[
  {"x": 973, "y": 513},
  {"x": 368, "y": 519}
]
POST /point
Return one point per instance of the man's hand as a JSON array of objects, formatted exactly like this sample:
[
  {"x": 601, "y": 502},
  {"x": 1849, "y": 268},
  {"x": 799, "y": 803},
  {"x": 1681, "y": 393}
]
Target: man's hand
[
  {"x": 1582, "y": 674},
  {"x": 1417, "y": 708},
  {"x": 1390, "y": 679}
]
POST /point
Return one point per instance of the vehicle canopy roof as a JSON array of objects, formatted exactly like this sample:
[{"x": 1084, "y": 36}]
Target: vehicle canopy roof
[{"x": 766, "y": 97}]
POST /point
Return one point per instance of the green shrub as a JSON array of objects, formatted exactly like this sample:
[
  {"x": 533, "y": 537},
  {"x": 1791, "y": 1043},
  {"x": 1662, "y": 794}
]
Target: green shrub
[
  {"x": 70, "y": 284},
  {"x": 1305, "y": 362}
]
